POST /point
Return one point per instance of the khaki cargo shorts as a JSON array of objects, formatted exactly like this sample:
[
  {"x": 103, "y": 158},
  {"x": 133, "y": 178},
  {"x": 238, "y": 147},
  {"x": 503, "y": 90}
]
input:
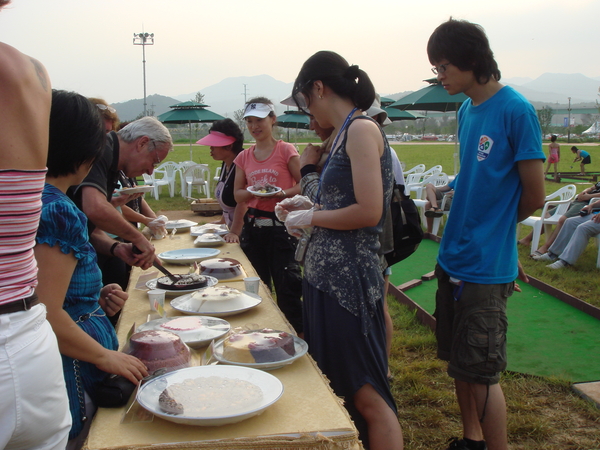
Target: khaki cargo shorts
[{"x": 471, "y": 328}]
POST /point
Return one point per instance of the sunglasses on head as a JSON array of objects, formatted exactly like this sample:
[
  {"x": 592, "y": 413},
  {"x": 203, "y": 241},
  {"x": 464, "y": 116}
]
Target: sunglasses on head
[{"x": 106, "y": 107}]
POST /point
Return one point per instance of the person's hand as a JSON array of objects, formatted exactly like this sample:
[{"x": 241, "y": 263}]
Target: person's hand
[
  {"x": 112, "y": 298},
  {"x": 122, "y": 364},
  {"x": 522, "y": 276},
  {"x": 125, "y": 252},
  {"x": 232, "y": 238},
  {"x": 298, "y": 220},
  {"x": 158, "y": 227},
  {"x": 596, "y": 218},
  {"x": 311, "y": 155},
  {"x": 295, "y": 203},
  {"x": 119, "y": 199}
]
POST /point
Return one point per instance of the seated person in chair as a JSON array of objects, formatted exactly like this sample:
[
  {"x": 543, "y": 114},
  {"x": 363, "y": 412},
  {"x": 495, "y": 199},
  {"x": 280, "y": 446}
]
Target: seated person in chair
[
  {"x": 434, "y": 196},
  {"x": 582, "y": 199},
  {"x": 573, "y": 238}
]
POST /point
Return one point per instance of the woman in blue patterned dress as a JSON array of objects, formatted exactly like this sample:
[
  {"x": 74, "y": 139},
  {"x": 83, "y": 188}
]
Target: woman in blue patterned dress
[
  {"x": 70, "y": 282},
  {"x": 343, "y": 283}
]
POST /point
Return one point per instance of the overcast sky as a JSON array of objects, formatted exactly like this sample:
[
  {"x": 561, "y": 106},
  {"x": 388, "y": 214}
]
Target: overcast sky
[{"x": 87, "y": 45}]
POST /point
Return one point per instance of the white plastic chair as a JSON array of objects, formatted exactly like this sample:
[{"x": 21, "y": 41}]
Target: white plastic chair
[
  {"x": 437, "y": 221},
  {"x": 217, "y": 176},
  {"x": 438, "y": 180},
  {"x": 419, "y": 168},
  {"x": 197, "y": 176},
  {"x": 183, "y": 166},
  {"x": 561, "y": 199},
  {"x": 418, "y": 177},
  {"x": 168, "y": 172},
  {"x": 149, "y": 181}
]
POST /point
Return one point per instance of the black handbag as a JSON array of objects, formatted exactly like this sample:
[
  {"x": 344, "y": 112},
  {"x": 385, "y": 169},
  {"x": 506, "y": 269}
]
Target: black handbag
[
  {"x": 113, "y": 391},
  {"x": 406, "y": 226}
]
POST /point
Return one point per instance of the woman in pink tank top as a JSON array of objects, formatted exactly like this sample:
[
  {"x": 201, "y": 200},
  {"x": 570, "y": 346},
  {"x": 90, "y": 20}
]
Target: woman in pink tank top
[{"x": 264, "y": 239}]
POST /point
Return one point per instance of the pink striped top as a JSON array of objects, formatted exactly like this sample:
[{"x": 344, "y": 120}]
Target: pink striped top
[{"x": 20, "y": 209}]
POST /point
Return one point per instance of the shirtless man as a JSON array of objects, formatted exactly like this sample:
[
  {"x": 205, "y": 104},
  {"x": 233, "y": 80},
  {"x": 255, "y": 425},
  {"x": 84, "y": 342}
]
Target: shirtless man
[{"x": 34, "y": 408}]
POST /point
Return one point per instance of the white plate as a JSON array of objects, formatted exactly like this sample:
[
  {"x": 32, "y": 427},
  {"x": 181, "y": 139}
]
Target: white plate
[
  {"x": 186, "y": 304},
  {"x": 187, "y": 256},
  {"x": 270, "y": 386},
  {"x": 300, "y": 345},
  {"x": 263, "y": 194},
  {"x": 151, "y": 284},
  {"x": 182, "y": 224},
  {"x": 210, "y": 328},
  {"x": 135, "y": 190},
  {"x": 220, "y": 229}
]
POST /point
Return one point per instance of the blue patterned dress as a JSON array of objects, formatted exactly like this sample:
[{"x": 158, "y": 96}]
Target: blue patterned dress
[
  {"x": 63, "y": 224},
  {"x": 343, "y": 290}
]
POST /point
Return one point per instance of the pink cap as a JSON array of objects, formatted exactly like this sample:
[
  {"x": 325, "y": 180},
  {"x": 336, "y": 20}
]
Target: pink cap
[{"x": 216, "y": 139}]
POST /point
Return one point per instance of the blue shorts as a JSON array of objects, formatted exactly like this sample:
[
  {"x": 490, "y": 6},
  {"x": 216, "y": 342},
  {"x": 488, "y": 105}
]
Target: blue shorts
[{"x": 471, "y": 328}]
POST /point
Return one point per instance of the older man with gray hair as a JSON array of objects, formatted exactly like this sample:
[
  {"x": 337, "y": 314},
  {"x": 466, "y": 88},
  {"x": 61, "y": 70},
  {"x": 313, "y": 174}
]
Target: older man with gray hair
[{"x": 136, "y": 149}]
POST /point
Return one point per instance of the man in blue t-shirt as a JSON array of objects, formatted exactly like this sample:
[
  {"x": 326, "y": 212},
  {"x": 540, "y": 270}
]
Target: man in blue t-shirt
[{"x": 500, "y": 184}]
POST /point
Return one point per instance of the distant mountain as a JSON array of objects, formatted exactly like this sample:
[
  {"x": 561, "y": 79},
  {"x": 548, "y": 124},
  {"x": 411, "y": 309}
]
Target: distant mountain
[
  {"x": 131, "y": 109},
  {"x": 398, "y": 95},
  {"x": 227, "y": 96},
  {"x": 558, "y": 87},
  {"x": 518, "y": 81}
]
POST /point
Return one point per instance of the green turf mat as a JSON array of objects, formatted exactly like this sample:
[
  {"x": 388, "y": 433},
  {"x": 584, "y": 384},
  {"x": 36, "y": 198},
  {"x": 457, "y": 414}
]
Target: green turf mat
[
  {"x": 419, "y": 263},
  {"x": 546, "y": 336}
]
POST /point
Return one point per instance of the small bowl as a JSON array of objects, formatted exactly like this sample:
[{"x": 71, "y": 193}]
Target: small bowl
[{"x": 221, "y": 268}]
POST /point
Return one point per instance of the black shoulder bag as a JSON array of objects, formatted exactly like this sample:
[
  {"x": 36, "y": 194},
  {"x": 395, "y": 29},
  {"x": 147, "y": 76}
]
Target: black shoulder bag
[{"x": 406, "y": 226}]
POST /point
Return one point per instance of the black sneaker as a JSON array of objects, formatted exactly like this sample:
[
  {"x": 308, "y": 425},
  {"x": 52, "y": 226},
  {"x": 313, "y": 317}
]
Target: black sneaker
[{"x": 463, "y": 444}]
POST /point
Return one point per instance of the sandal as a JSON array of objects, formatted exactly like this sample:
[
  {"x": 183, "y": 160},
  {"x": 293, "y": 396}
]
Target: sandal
[
  {"x": 536, "y": 254},
  {"x": 434, "y": 212}
]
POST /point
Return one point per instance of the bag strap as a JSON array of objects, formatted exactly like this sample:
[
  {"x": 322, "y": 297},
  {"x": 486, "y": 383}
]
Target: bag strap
[{"x": 399, "y": 193}]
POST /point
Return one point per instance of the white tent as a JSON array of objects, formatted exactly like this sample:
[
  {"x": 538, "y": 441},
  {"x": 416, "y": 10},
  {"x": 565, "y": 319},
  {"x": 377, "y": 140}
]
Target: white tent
[{"x": 594, "y": 129}]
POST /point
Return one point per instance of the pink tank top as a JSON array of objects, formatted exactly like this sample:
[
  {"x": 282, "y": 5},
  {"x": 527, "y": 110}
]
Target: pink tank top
[
  {"x": 20, "y": 210},
  {"x": 273, "y": 170}
]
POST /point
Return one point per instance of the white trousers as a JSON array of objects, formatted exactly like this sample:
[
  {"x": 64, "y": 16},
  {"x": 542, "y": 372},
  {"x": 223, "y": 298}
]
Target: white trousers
[
  {"x": 34, "y": 407},
  {"x": 573, "y": 238}
]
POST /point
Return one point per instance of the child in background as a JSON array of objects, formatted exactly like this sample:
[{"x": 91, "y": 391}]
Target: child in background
[
  {"x": 553, "y": 156},
  {"x": 582, "y": 156}
]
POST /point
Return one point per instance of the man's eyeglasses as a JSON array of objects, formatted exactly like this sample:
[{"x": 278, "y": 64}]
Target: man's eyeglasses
[
  {"x": 102, "y": 107},
  {"x": 440, "y": 69},
  {"x": 158, "y": 161}
]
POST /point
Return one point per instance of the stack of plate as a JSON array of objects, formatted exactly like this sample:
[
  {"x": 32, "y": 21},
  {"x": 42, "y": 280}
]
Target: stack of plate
[
  {"x": 187, "y": 256},
  {"x": 194, "y": 304}
]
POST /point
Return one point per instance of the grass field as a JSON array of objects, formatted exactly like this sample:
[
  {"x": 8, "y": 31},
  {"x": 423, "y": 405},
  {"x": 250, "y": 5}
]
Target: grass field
[
  {"x": 582, "y": 280},
  {"x": 543, "y": 414}
]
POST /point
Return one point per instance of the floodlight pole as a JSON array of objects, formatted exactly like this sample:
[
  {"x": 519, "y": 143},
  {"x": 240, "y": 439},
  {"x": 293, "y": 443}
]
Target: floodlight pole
[
  {"x": 569, "y": 124},
  {"x": 143, "y": 39}
]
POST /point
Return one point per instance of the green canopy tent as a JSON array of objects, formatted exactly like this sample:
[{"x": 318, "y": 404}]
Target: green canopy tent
[
  {"x": 386, "y": 101},
  {"x": 293, "y": 119},
  {"x": 189, "y": 112},
  {"x": 434, "y": 98},
  {"x": 395, "y": 114}
]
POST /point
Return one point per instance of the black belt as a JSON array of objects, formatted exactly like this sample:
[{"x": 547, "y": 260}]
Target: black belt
[{"x": 19, "y": 305}]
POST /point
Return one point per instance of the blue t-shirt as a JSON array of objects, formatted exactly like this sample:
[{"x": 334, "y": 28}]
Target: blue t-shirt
[
  {"x": 479, "y": 243},
  {"x": 583, "y": 153}
]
